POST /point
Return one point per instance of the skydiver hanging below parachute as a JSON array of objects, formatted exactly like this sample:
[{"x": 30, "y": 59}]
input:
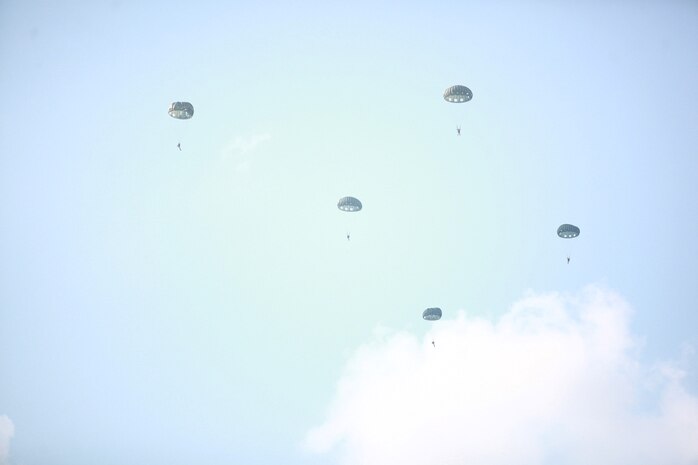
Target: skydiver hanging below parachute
[
  {"x": 349, "y": 204},
  {"x": 568, "y": 231},
  {"x": 181, "y": 111},
  {"x": 458, "y": 94},
  {"x": 432, "y": 314}
]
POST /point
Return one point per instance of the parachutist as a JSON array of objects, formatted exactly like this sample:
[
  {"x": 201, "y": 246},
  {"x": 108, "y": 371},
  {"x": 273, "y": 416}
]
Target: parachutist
[
  {"x": 179, "y": 146},
  {"x": 432, "y": 314},
  {"x": 568, "y": 231},
  {"x": 458, "y": 129},
  {"x": 349, "y": 204}
]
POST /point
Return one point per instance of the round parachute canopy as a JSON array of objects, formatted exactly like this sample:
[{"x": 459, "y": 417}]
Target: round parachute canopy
[
  {"x": 458, "y": 94},
  {"x": 349, "y": 204},
  {"x": 567, "y": 231},
  {"x": 181, "y": 110},
  {"x": 432, "y": 314}
]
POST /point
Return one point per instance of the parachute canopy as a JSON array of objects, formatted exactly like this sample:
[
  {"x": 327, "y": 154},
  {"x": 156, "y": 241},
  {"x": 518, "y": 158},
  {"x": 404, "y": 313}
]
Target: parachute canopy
[
  {"x": 432, "y": 314},
  {"x": 349, "y": 204},
  {"x": 567, "y": 231},
  {"x": 181, "y": 110},
  {"x": 457, "y": 94}
]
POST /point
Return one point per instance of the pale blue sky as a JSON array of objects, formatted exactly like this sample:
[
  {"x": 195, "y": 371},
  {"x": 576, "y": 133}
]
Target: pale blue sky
[{"x": 163, "y": 307}]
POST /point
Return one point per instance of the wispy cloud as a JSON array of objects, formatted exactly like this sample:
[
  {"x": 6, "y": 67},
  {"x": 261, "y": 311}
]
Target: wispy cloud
[
  {"x": 7, "y": 430},
  {"x": 240, "y": 149},
  {"x": 556, "y": 380}
]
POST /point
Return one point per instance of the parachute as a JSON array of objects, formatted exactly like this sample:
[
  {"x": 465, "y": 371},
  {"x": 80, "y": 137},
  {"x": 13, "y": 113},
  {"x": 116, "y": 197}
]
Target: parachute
[
  {"x": 181, "y": 110},
  {"x": 458, "y": 94},
  {"x": 349, "y": 204},
  {"x": 432, "y": 314},
  {"x": 568, "y": 231}
]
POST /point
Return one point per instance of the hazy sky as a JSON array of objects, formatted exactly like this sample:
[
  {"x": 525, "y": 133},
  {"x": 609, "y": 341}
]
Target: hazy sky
[{"x": 204, "y": 306}]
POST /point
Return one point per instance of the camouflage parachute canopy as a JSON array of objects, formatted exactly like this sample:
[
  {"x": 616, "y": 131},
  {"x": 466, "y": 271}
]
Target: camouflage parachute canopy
[
  {"x": 181, "y": 110},
  {"x": 458, "y": 94},
  {"x": 567, "y": 231},
  {"x": 432, "y": 314},
  {"x": 349, "y": 204}
]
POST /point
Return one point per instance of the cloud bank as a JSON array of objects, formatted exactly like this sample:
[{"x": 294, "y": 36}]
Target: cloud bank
[
  {"x": 7, "y": 430},
  {"x": 556, "y": 380}
]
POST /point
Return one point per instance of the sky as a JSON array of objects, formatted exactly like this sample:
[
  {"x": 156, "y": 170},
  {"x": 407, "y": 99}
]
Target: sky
[{"x": 160, "y": 306}]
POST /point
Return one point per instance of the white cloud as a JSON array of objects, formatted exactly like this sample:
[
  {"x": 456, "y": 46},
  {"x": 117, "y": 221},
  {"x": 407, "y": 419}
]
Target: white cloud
[
  {"x": 240, "y": 148},
  {"x": 556, "y": 380},
  {"x": 7, "y": 430}
]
